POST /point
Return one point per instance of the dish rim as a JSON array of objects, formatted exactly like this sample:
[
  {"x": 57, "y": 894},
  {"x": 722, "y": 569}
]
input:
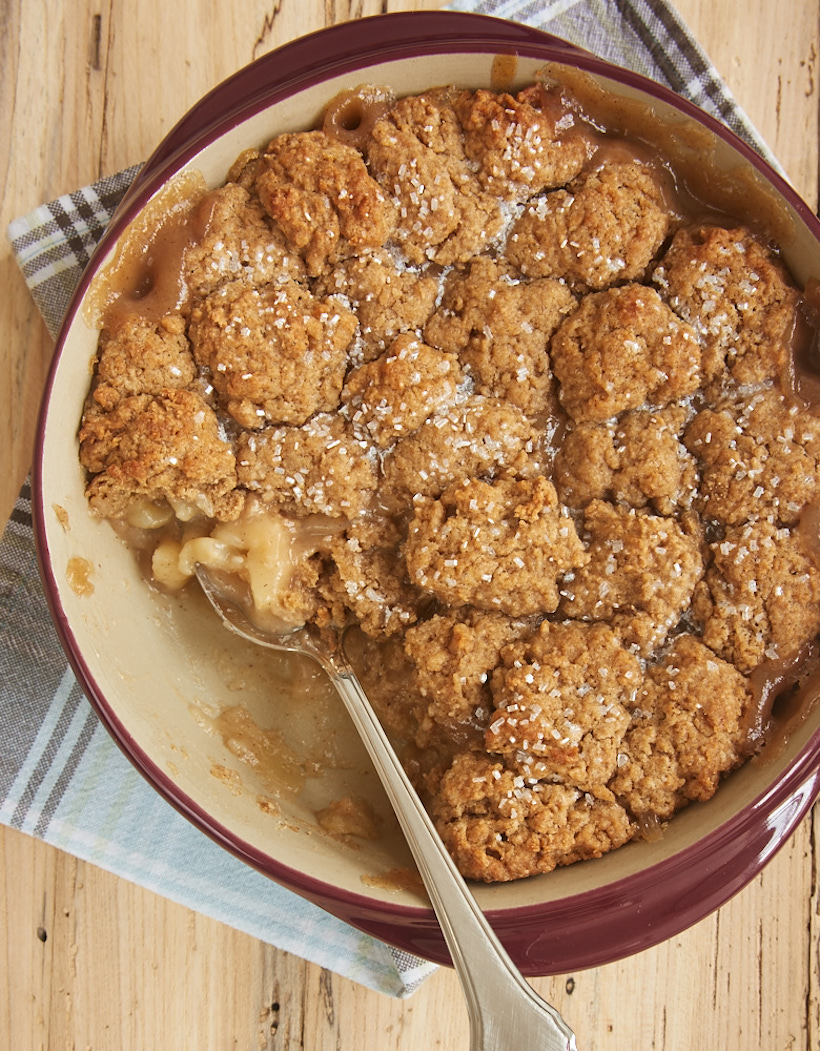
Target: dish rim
[{"x": 642, "y": 909}]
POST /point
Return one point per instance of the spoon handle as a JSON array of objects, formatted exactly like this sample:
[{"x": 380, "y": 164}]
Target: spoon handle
[{"x": 505, "y": 1013}]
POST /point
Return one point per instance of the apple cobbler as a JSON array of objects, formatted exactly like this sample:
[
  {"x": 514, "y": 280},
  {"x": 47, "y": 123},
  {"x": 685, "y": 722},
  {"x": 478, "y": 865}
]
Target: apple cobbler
[{"x": 471, "y": 373}]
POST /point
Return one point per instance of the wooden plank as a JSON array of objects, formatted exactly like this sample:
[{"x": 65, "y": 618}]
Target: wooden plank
[{"x": 767, "y": 54}]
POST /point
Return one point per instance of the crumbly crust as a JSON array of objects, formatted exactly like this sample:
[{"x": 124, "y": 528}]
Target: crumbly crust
[
  {"x": 417, "y": 154},
  {"x": 322, "y": 198},
  {"x": 738, "y": 297},
  {"x": 636, "y": 459},
  {"x": 454, "y": 656},
  {"x": 142, "y": 356},
  {"x": 164, "y": 446},
  {"x": 686, "y": 731},
  {"x": 759, "y": 458},
  {"x": 560, "y": 697},
  {"x": 639, "y": 576},
  {"x": 389, "y": 299},
  {"x": 500, "y": 328},
  {"x": 502, "y": 825},
  {"x": 477, "y": 438},
  {"x": 392, "y": 396},
  {"x": 604, "y": 228},
  {"x": 521, "y": 145},
  {"x": 621, "y": 349},
  {"x": 324, "y": 467},
  {"x": 369, "y": 581},
  {"x": 502, "y": 545},
  {"x": 240, "y": 242},
  {"x": 275, "y": 354},
  {"x": 759, "y": 597}
]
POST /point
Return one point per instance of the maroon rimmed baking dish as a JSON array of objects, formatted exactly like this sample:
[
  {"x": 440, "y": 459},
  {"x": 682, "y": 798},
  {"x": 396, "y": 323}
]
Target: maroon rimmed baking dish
[{"x": 161, "y": 671}]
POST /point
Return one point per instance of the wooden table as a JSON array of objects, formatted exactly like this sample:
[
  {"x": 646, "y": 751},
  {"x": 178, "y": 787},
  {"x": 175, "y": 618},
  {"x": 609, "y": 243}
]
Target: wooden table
[{"x": 92, "y": 962}]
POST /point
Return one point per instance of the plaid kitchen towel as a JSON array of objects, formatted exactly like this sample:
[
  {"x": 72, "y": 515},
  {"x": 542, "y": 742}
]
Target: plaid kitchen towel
[{"x": 61, "y": 776}]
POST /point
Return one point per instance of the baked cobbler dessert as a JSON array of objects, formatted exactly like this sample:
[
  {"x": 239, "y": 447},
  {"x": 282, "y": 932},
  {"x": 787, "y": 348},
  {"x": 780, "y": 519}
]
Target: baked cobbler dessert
[{"x": 478, "y": 376}]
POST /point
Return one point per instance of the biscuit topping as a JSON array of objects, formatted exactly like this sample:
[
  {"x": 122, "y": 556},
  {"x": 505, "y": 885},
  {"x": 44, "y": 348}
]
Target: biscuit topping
[{"x": 474, "y": 378}]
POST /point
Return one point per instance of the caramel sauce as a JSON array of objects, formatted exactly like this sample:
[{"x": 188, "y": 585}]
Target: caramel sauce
[
  {"x": 791, "y": 710},
  {"x": 78, "y": 573},
  {"x": 805, "y": 376},
  {"x": 265, "y": 751},
  {"x": 61, "y": 515},
  {"x": 785, "y": 694},
  {"x": 349, "y": 116},
  {"x": 396, "y": 879},
  {"x": 650, "y": 827},
  {"x": 147, "y": 271},
  {"x": 502, "y": 75},
  {"x": 808, "y": 529}
]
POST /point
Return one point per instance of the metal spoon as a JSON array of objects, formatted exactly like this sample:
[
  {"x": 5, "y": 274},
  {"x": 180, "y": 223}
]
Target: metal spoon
[{"x": 505, "y": 1013}]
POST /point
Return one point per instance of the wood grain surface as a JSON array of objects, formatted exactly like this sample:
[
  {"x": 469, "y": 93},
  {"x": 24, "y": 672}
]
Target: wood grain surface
[{"x": 92, "y": 962}]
